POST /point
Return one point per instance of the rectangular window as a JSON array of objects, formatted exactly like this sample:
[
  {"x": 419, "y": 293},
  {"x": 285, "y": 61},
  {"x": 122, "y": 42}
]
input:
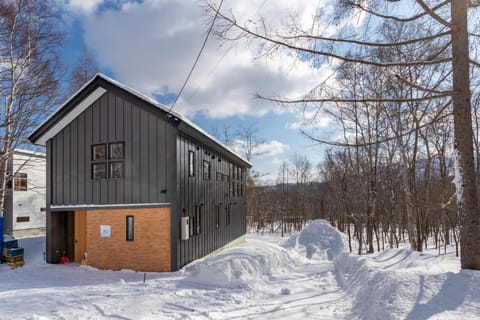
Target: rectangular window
[
  {"x": 217, "y": 216},
  {"x": 20, "y": 180},
  {"x": 23, "y": 219},
  {"x": 191, "y": 163},
  {"x": 111, "y": 166},
  {"x": 130, "y": 228},
  {"x": 191, "y": 226},
  {"x": 206, "y": 169},
  {"x": 198, "y": 219},
  {"x": 227, "y": 215}
]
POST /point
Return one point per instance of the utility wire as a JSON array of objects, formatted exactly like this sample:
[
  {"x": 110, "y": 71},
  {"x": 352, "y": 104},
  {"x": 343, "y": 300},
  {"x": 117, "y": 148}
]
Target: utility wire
[{"x": 198, "y": 57}]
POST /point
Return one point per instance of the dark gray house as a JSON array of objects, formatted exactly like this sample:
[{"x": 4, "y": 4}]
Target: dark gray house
[{"x": 135, "y": 186}]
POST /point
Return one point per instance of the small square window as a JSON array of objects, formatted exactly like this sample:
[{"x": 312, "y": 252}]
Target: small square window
[
  {"x": 115, "y": 170},
  {"x": 99, "y": 152},
  {"x": 99, "y": 171},
  {"x": 116, "y": 151},
  {"x": 20, "y": 181}
]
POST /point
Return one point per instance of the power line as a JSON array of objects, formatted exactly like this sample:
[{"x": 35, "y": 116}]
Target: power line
[{"x": 198, "y": 56}]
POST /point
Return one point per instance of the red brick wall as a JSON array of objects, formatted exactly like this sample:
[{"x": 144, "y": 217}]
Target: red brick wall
[{"x": 150, "y": 250}]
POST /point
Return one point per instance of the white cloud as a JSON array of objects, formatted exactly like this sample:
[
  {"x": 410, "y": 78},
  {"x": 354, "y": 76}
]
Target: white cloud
[
  {"x": 152, "y": 45},
  {"x": 84, "y": 6},
  {"x": 263, "y": 149},
  {"x": 313, "y": 118}
]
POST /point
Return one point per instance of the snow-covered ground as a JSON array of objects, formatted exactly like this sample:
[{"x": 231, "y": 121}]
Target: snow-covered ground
[{"x": 306, "y": 276}]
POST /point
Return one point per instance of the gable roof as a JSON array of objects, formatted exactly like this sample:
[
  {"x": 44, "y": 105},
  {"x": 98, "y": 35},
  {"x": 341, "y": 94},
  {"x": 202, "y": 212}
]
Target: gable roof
[{"x": 98, "y": 86}]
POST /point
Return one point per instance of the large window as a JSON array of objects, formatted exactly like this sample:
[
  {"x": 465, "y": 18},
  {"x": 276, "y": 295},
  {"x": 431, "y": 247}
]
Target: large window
[
  {"x": 236, "y": 181},
  {"x": 20, "y": 181},
  {"x": 108, "y": 161}
]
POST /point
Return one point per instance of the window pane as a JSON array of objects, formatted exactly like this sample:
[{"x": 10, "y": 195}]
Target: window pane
[
  {"x": 190, "y": 226},
  {"x": 20, "y": 181},
  {"x": 115, "y": 170},
  {"x": 130, "y": 227},
  {"x": 23, "y": 219},
  {"x": 206, "y": 169},
  {"x": 99, "y": 171},
  {"x": 98, "y": 152},
  {"x": 191, "y": 163},
  {"x": 198, "y": 220},
  {"x": 116, "y": 151}
]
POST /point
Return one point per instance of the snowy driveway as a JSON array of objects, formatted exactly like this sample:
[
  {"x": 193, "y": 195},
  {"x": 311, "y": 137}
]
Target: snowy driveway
[
  {"x": 258, "y": 280},
  {"x": 308, "y": 276}
]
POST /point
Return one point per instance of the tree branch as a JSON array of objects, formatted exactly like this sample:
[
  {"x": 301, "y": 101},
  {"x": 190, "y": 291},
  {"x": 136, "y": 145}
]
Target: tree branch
[
  {"x": 248, "y": 32},
  {"x": 431, "y": 12},
  {"x": 409, "y": 19},
  {"x": 440, "y": 116},
  {"x": 368, "y": 44},
  {"x": 361, "y": 100}
]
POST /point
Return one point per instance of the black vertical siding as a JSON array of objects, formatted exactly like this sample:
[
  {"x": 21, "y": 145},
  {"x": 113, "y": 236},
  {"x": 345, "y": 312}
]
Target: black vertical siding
[
  {"x": 112, "y": 118},
  {"x": 207, "y": 195}
]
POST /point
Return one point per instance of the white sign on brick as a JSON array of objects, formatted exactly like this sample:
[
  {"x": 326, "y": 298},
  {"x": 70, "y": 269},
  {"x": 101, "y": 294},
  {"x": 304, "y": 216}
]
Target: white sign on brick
[{"x": 105, "y": 231}]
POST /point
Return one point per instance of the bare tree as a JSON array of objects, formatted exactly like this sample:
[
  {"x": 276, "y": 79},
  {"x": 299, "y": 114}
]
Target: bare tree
[
  {"x": 446, "y": 21},
  {"x": 85, "y": 68},
  {"x": 30, "y": 39}
]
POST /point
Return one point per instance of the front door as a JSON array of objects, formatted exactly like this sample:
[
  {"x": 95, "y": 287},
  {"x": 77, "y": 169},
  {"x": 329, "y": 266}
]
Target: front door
[{"x": 80, "y": 234}]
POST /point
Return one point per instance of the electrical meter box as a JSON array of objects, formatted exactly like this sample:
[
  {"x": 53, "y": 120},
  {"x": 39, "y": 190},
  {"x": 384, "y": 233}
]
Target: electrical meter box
[{"x": 185, "y": 228}]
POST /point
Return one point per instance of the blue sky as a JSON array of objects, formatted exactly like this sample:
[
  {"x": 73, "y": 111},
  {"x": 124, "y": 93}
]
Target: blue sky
[{"x": 151, "y": 45}]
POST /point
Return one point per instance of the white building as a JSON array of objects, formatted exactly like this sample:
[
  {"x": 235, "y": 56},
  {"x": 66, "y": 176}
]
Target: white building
[{"x": 25, "y": 211}]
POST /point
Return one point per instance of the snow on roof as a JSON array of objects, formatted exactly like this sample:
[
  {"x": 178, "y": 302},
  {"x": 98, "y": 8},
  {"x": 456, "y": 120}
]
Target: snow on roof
[
  {"x": 30, "y": 152},
  {"x": 118, "y": 206},
  {"x": 168, "y": 110},
  {"x": 147, "y": 99}
]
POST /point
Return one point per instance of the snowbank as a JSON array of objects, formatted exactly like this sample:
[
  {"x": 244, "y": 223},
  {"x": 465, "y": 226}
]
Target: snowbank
[
  {"x": 239, "y": 267},
  {"x": 317, "y": 238},
  {"x": 404, "y": 284}
]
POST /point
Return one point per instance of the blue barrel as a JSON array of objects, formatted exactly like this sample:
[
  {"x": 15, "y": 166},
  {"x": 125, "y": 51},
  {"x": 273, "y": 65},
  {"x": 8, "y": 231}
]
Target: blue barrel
[{"x": 1, "y": 239}]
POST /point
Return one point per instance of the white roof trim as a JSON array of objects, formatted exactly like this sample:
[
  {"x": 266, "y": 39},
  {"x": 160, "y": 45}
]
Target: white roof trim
[
  {"x": 106, "y": 206},
  {"x": 29, "y": 152},
  {"x": 75, "y": 112}
]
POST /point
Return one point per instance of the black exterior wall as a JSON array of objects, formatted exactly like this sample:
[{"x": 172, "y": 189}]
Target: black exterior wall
[
  {"x": 208, "y": 195},
  {"x": 156, "y": 146}
]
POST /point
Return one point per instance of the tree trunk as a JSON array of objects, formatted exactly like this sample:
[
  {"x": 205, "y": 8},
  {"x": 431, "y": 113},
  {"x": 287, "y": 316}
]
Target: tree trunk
[{"x": 464, "y": 173}]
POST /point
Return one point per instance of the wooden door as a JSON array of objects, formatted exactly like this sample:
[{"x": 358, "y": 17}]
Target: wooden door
[{"x": 80, "y": 234}]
